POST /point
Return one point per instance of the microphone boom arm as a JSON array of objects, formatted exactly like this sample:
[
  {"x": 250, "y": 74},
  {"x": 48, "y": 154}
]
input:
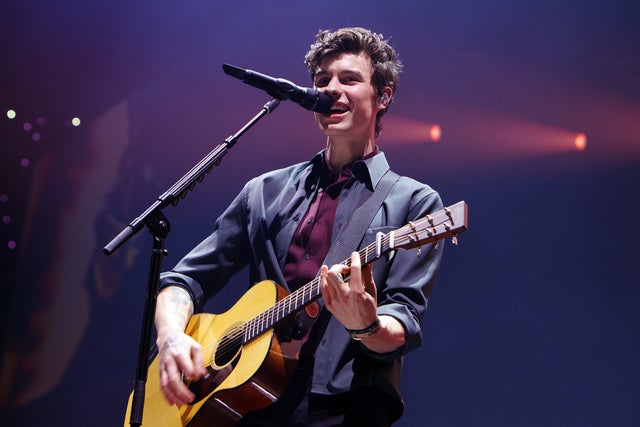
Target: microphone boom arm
[{"x": 185, "y": 184}]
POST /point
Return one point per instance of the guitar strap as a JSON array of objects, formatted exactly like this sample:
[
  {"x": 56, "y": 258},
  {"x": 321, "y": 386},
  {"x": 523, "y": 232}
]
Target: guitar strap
[
  {"x": 353, "y": 231},
  {"x": 347, "y": 241}
]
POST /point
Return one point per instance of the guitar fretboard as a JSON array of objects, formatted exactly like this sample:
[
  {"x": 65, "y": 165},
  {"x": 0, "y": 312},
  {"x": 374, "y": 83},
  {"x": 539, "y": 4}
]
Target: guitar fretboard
[
  {"x": 300, "y": 298},
  {"x": 428, "y": 229}
]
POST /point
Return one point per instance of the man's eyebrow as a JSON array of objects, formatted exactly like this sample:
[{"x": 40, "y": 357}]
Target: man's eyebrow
[{"x": 344, "y": 71}]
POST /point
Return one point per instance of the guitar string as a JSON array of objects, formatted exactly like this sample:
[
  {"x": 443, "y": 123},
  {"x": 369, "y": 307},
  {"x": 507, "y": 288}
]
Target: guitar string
[
  {"x": 231, "y": 341},
  {"x": 263, "y": 321},
  {"x": 285, "y": 304}
]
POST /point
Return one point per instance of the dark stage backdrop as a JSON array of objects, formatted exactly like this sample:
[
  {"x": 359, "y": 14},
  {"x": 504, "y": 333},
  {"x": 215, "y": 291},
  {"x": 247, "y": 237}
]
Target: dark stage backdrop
[{"x": 533, "y": 320}]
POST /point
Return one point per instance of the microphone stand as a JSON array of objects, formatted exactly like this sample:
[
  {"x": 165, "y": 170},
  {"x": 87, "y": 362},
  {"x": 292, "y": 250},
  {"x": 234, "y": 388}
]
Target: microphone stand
[{"x": 159, "y": 227}]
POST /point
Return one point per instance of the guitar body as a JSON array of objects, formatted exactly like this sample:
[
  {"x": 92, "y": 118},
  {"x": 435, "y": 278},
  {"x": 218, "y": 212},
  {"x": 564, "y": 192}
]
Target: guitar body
[{"x": 242, "y": 377}]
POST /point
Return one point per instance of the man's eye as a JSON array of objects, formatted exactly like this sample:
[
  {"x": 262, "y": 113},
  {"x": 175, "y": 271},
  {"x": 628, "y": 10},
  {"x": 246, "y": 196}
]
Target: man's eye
[{"x": 321, "y": 82}]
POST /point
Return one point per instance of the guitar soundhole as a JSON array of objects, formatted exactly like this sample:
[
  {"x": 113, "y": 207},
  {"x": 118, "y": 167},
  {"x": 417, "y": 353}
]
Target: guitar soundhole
[
  {"x": 229, "y": 346},
  {"x": 224, "y": 361}
]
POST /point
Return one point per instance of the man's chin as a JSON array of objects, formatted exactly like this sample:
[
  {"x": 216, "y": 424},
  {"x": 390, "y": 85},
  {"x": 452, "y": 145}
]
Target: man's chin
[{"x": 330, "y": 129}]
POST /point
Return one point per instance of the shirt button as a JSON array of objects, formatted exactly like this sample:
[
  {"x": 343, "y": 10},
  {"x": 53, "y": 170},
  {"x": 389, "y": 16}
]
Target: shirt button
[
  {"x": 296, "y": 217},
  {"x": 307, "y": 256},
  {"x": 309, "y": 220}
]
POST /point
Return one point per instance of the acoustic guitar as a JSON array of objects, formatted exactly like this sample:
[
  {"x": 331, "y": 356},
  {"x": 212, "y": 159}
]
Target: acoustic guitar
[{"x": 249, "y": 363}]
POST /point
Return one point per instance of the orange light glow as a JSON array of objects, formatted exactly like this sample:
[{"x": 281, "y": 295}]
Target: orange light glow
[
  {"x": 581, "y": 142},
  {"x": 402, "y": 131},
  {"x": 435, "y": 133}
]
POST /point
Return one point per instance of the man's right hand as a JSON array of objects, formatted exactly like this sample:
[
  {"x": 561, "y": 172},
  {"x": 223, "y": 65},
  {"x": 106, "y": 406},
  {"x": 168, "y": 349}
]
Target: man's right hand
[
  {"x": 180, "y": 360},
  {"x": 179, "y": 355}
]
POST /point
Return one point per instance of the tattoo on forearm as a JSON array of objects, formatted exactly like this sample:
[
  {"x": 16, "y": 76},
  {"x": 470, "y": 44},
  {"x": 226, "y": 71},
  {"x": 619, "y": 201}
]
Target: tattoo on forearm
[{"x": 179, "y": 298}]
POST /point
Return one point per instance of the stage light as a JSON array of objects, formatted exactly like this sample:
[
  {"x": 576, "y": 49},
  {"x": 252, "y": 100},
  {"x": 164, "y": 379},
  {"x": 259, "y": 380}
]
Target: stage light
[
  {"x": 36, "y": 136},
  {"x": 435, "y": 133},
  {"x": 26, "y": 126},
  {"x": 11, "y": 114},
  {"x": 6, "y": 219},
  {"x": 24, "y": 162},
  {"x": 11, "y": 244},
  {"x": 485, "y": 136},
  {"x": 402, "y": 131},
  {"x": 75, "y": 121},
  {"x": 581, "y": 141}
]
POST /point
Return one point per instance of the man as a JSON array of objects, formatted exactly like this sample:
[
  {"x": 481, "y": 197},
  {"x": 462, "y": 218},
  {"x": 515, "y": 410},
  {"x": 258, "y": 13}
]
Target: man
[{"x": 282, "y": 225}]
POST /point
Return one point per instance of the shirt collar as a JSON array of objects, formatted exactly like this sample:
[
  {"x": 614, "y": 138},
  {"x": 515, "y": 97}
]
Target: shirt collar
[
  {"x": 368, "y": 170},
  {"x": 371, "y": 169}
]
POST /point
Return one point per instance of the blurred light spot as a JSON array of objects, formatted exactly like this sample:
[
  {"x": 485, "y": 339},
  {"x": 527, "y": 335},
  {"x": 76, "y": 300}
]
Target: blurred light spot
[
  {"x": 25, "y": 162},
  {"x": 75, "y": 121},
  {"x": 11, "y": 114},
  {"x": 11, "y": 244},
  {"x": 36, "y": 136},
  {"x": 26, "y": 126},
  {"x": 581, "y": 141},
  {"x": 6, "y": 219},
  {"x": 40, "y": 121},
  {"x": 435, "y": 133},
  {"x": 491, "y": 137},
  {"x": 4, "y": 198},
  {"x": 398, "y": 130}
]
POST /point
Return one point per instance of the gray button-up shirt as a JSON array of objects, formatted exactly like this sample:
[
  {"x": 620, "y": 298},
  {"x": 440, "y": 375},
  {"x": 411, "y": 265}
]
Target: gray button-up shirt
[{"x": 257, "y": 229}]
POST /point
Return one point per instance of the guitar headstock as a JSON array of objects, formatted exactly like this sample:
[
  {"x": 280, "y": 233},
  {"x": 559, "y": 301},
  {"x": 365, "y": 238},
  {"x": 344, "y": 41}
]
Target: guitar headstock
[{"x": 447, "y": 222}]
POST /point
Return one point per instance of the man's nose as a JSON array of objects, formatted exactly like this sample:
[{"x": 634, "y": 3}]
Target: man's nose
[{"x": 333, "y": 88}]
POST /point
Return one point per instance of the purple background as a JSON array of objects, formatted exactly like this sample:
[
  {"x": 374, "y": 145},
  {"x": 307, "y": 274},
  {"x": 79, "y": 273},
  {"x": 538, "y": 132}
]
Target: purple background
[{"x": 534, "y": 318}]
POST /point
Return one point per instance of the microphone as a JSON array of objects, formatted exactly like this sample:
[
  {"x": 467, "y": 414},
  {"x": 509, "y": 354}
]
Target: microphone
[{"x": 282, "y": 89}]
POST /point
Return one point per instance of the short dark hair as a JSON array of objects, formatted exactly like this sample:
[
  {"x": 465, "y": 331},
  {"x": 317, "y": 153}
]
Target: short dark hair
[{"x": 384, "y": 59}]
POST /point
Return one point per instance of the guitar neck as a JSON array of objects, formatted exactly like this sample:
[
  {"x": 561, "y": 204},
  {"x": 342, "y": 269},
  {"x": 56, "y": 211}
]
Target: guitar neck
[
  {"x": 447, "y": 222},
  {"x": 306, "y": 294}
]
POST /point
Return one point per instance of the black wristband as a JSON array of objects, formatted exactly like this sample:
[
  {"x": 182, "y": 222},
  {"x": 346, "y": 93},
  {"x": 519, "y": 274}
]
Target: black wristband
[{"x": 372, "y": 329}]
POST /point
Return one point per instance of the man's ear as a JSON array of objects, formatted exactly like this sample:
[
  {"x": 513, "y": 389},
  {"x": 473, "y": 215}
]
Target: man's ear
[{"x": 385, "y": 98}]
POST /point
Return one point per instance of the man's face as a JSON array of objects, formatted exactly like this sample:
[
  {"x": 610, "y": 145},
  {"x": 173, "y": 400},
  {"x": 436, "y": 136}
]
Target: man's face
[{"x": 347, "y": 78}]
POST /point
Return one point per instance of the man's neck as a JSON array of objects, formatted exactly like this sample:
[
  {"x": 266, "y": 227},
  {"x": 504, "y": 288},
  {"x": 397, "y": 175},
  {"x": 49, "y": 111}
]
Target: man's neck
[{"x": 342, "y": 152}]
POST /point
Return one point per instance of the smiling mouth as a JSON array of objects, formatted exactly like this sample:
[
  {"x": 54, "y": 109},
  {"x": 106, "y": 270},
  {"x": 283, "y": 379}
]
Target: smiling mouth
[{"x": 338, "y": 110}]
